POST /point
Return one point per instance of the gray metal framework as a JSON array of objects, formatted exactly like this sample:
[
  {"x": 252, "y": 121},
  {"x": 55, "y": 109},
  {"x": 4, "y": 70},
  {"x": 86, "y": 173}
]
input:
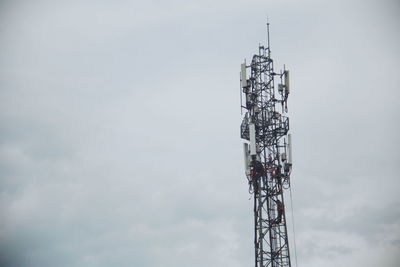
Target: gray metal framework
[{"x": 268, "y": 160}]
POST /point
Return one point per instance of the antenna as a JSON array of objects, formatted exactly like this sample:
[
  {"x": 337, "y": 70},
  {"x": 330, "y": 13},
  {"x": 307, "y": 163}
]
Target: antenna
[
  {"x": 290, "y": 149},
  {"x": 268, "y": 42}
]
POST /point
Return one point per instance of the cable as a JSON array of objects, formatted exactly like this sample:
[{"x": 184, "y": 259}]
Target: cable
[{"x": 294, "y": 234}]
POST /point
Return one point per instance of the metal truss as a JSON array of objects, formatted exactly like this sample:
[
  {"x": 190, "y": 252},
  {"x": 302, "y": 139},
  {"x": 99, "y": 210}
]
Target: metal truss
[{"x": 267, "y": 156}]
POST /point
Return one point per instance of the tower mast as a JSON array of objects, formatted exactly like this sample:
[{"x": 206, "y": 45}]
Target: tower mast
[{"x": 267, "y": 152}]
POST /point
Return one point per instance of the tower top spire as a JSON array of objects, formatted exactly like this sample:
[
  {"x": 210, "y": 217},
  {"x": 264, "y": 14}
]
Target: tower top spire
[{"x": 268, "y": 41}]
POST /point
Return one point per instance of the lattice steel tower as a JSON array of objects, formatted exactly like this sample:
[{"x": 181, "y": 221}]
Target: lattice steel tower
[{"x": 268, "y": 157}]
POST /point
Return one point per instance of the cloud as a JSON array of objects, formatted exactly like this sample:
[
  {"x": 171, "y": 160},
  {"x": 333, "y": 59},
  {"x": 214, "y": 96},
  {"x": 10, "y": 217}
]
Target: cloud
[{"x": 119, "y": 131}]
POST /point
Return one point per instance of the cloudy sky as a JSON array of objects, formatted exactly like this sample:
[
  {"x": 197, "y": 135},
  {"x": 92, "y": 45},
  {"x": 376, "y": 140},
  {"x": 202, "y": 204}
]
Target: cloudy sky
[{"x": 119, "y": 131}]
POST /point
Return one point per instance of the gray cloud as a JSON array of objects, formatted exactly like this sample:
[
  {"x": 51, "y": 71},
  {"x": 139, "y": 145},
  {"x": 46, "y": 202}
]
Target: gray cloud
[{"x": 119, "y": 131}]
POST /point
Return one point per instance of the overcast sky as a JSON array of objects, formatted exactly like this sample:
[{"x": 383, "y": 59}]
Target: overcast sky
[{"x": 119, "y": 131}]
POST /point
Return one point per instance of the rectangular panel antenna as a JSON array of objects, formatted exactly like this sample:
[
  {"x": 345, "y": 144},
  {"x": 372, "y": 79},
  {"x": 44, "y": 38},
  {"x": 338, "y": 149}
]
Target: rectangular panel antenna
[{"x": 243, "y": 76}]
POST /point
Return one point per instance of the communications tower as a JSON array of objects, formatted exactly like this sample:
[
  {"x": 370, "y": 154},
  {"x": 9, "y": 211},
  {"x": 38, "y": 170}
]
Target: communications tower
[{"x": 267, "y": 152}]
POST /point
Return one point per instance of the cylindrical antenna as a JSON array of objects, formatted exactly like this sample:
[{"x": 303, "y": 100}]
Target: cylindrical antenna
[{"x": 269, "y": 49}]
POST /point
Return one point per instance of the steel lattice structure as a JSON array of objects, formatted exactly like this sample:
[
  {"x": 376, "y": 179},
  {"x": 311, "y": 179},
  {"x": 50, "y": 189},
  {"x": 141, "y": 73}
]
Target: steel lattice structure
[{"x": 268, "y": 160}]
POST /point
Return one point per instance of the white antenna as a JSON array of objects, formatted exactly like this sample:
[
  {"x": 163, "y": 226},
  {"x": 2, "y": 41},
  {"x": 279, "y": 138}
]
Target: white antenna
[
  {"x": 287, "y": 83},
  {"x": 246, "y": 158},
  {"x": 243, "y": 76},
  {"x": 290, "y": 148},
  {"x": 252, "y": 130}
]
